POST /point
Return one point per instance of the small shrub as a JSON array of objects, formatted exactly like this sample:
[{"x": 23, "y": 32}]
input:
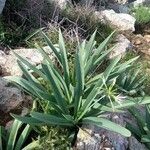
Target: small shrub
[{"x": 142, "y": 14}]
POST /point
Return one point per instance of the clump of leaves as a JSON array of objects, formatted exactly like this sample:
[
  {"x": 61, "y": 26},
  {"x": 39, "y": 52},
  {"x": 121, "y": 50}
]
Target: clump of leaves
[
  {"x": 142, "y": 129},
  {"x": 131, "y": 82},
  {"x": 142, "y": 14},
  {"x": 76, "y": 97},
  {"x": 15, "y": 137}
]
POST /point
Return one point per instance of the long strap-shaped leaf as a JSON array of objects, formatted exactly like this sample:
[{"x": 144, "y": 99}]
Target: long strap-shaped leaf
[
  {"x": 29, "y": 65},
  {"x": 55, "y": 70},
  {"x": 56, "y": 88},
  {"x": 13, "y": 134},
  {"x": 97, "y": 87},
  {"x": 28, "y": 120},
  {"x": 24, "y": 135},
  {"x": 94, "y": 58},
  {"x": 79, "y": 81},
  {"x": 106, "y": 124},
  {"x": 89, "y": 100},
  {"x": 64, "y": 59},
  {"x": 30, "y": 77},
  {"x": 51, "y": 119},
  {"x": 110, "y": 68},
  {"x": 2, "y": 137},
  {"x": 30, "y": 88},
  {"x": 89, "y": 47},
  {"x": 57, "y": 54}
]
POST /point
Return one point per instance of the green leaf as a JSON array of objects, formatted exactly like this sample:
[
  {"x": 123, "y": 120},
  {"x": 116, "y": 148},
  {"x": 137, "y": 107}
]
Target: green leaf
[
  {"x": 134, "y": 130},
  {"x": 27, "y": 120},
  {"x": 2, "y": 135},
  {"x": 79, "y": 81},
  {"x": 90, "y": 98},
  {"x": 29, "y": 65},
  {"x": 24, "y": 135},
  {"x": 106, "y": 124},
  {"x": 13, "y": 134},
  {"x": 64, "y": 59},
  {"x": 145, "y": 139},
  {"x": 89, "y": 46},
  {"x": 51, "y": 119},
  {"x": 57, "y": 54},
  {"x": 33, "y": 145},
  {"x": 110, "y": 68},
  {"x": 56, "y": 88}
]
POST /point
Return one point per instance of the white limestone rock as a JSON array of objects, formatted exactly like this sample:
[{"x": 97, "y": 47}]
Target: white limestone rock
[{"x": 118, "y": 21}]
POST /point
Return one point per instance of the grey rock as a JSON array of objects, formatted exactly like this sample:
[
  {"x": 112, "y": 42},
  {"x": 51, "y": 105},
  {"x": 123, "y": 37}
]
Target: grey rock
[
  {"x": 118, "y": 21},
  {"x": 140, "y": 2},
  {"x": 10, "y": 97},
  {"x": 134, "y": 144},
  {"x": 122, "y": 45},
  {"x": 119, "y": 8},
  {"x": 2, "y": 4},
  {"x": 9, "y": 65}
]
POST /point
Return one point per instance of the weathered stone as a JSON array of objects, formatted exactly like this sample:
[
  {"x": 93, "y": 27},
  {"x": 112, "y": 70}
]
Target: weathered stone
[
  {"x": 134, "y": 144},
  {"x": 90, "y": 138},
  {"x": 119, "y": 8},
  {"x": 147, "y": 38},
  {"x": 140, "y": 2},
  {"x": 9, "y": 64},
  {"x": 10, "y": 97},
  {"x": 2, "y": 4},
  {"x": 118, "y": 21},
  {"x": 121, "y": 46}
]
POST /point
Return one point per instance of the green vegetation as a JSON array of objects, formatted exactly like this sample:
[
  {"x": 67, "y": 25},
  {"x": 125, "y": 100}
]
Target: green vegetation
[
  {"x": 142, "y": 14},
  {"x": 72, "y": 97},
  {"x": 142, "y": 129},
  {"x": 15, "y": 137}
]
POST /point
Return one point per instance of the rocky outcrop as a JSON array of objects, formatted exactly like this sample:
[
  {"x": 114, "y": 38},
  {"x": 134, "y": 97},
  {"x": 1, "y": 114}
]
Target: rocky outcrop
[
  {"x": 140, "y": 2},
  {"x": 8, "y": 63},
  {"x": 121, "y": 47},
  {"x": 2, "y": 4},
  {"x": 95, "y": 138},
  {"x": 118, "y": 21}
]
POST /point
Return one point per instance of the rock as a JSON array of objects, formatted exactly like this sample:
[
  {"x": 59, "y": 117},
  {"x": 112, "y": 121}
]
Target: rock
[
  {"x": 60, "y": 3},
  {"x": 140, "y": 2},
  {"x": 9, "y": 65},
  {"x": 118, "y": 141},
  {"x": 118, "y": 21},
  {"x": 147, "y": 38},
  {"x": 134, "y": 144},
  {"x": 10, "y": 97},
  {"x": 121, "y": 46},
  {"x": 2, "y": 4},
  {"x": 119, "y": 8},
  {"x": 137, "y": 42},
  {"x": 95, "y": 138},
  {"x": 89, "y": 138}
]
